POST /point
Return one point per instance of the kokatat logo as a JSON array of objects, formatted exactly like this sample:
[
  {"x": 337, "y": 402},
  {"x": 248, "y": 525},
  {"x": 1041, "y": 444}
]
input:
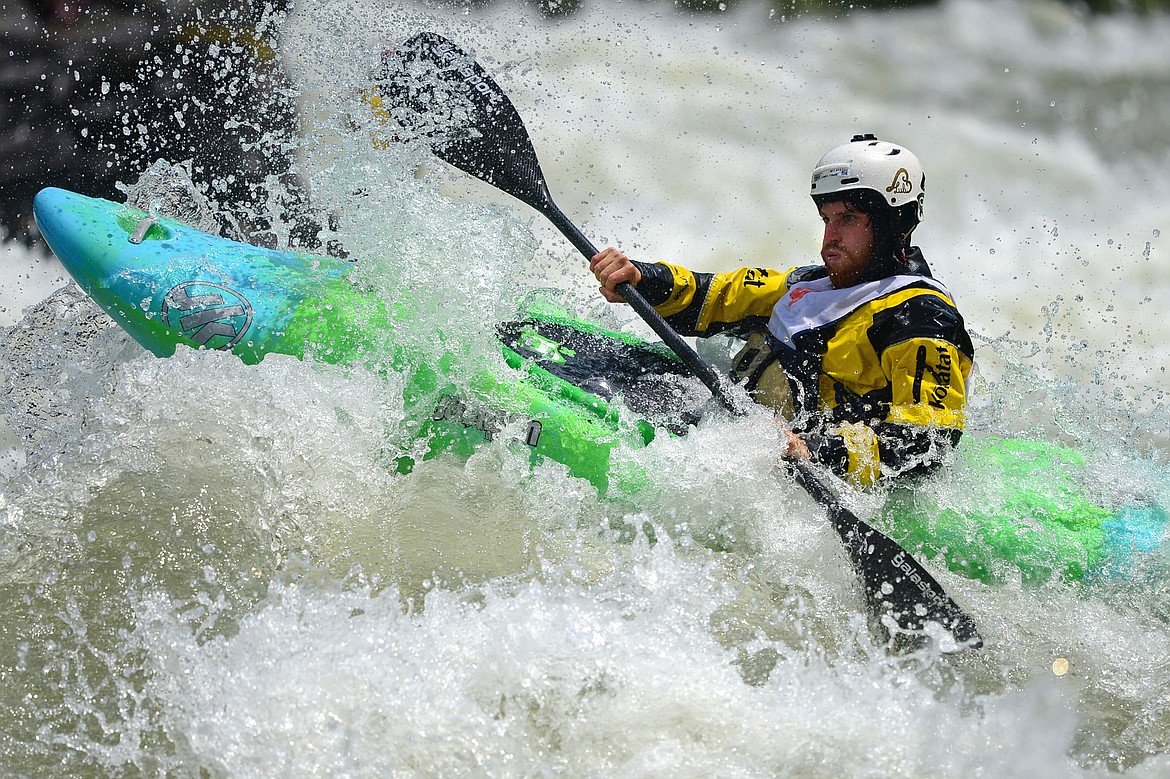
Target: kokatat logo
[
  {"x": 901, "y": 185},
  {"x": 211, "y": 315}
]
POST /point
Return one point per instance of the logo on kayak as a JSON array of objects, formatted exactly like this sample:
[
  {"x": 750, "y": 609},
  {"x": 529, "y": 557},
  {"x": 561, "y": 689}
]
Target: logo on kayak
[
  {"x": 211, "y": 315},
  {"x": 545, "y": 349},
  {"x": 488, "y": 421}
]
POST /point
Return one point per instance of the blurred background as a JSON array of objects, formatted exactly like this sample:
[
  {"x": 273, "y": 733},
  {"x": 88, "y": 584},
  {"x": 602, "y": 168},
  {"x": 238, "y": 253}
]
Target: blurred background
[{"x": 91, "y": 91}]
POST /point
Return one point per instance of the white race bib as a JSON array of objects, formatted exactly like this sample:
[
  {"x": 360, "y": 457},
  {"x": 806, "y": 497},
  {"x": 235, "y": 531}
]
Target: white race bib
[{"x": 808, "y": 305}]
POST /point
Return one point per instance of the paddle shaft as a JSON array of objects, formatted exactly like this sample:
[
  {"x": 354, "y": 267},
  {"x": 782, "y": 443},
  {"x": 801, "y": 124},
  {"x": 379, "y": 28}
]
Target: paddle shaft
[{"x": 706, "y": 374}]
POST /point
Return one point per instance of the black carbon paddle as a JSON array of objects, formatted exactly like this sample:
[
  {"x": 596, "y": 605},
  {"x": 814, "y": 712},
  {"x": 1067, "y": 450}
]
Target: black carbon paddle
[{"x": 431, "y": 89}]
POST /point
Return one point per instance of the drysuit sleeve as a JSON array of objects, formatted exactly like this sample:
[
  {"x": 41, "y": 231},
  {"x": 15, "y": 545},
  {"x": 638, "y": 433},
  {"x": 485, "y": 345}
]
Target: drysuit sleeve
[{"x": 703, "y": 304}]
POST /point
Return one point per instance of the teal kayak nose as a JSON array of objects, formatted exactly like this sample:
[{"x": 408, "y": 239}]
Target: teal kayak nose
[
  {"x": 168, "y": 283},
  {"x": 87, "y": 233},
  {"x": 63, "y": 220}
]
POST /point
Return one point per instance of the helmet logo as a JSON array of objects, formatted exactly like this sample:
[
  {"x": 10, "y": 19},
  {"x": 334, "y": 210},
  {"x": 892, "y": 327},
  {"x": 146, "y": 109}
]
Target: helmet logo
[{"x": 901, "y": 185}]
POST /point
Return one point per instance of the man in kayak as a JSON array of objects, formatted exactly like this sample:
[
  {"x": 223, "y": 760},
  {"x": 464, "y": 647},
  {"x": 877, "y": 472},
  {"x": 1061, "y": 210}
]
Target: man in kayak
[{"x": 866, "y": 356}]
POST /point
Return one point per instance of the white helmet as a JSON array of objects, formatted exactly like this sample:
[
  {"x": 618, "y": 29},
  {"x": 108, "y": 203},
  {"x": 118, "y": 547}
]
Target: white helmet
[{"x": 865, "y": 163}]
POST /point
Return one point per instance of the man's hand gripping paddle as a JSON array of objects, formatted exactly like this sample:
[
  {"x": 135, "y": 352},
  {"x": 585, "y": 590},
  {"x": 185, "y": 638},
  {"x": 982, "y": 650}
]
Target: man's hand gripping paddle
[{"x": 429, "y": 88}]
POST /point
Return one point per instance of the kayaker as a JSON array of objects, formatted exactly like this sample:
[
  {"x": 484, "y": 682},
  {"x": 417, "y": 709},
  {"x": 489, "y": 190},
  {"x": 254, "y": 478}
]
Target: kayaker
[{"x": 866, "y": 356}]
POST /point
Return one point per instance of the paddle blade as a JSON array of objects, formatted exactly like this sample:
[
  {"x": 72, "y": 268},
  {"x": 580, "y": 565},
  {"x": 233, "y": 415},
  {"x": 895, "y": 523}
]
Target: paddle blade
[
  {"x": 429, "y": 88},
  {"x": 897, "y": 588}
]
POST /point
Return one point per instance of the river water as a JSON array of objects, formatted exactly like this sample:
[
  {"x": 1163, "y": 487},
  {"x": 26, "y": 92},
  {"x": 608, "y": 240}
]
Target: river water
[{"x": 209, "y": 568}]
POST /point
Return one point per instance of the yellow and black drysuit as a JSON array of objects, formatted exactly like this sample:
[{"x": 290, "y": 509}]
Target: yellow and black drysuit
[{"x": 873, "y": 376}]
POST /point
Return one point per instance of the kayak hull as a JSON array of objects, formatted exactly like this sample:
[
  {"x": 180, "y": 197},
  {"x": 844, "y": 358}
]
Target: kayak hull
[{"x": 169, "y": 285}]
